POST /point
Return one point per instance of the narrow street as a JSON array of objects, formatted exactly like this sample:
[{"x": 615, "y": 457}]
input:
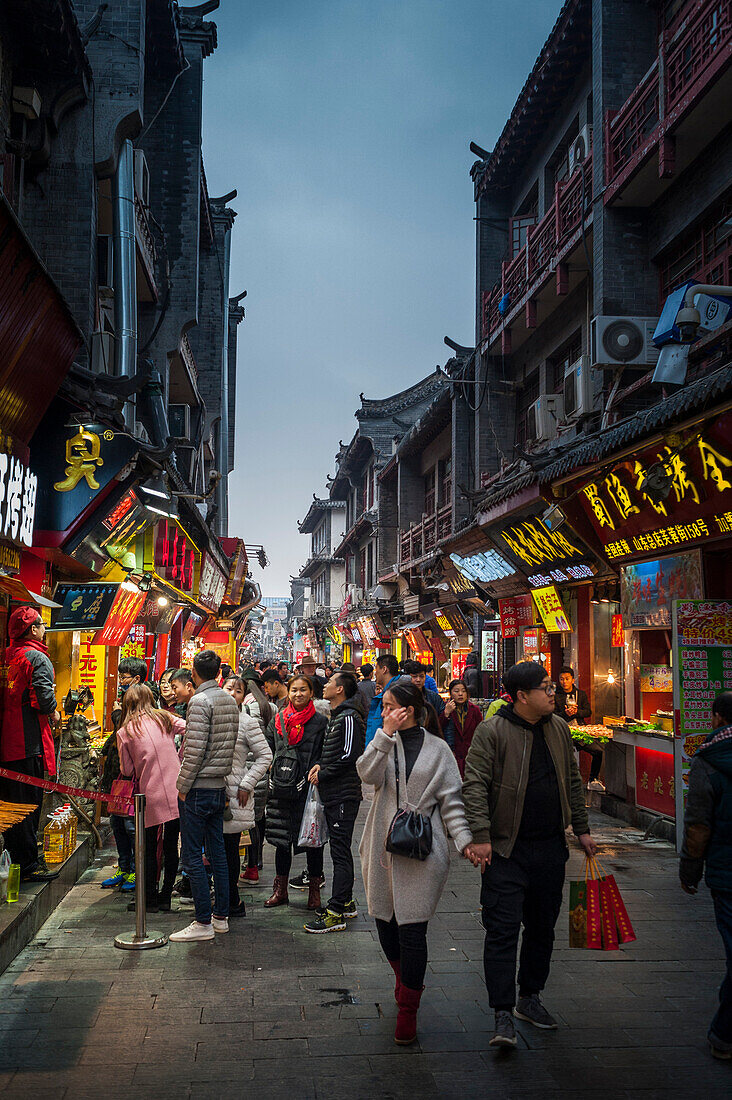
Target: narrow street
[{"x": 269, "y": 1011}]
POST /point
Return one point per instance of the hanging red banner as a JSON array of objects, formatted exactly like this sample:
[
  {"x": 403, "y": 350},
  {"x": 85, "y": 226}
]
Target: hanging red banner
[{"x": 617, "y": 636}]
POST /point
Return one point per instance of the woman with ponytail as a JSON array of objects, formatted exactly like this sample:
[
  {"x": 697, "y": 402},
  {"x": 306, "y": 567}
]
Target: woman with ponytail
[{"x": 403, "y": 893}]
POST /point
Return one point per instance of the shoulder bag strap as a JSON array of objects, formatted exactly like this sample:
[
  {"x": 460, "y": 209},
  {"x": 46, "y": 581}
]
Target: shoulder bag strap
[{"x": 396, "y": 771}]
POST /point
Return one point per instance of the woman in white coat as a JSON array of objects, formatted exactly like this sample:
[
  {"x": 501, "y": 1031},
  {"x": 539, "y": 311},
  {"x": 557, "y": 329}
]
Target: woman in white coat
[
  {"x": 240, "y": 783},
  {"x": 403, "y": 893}
]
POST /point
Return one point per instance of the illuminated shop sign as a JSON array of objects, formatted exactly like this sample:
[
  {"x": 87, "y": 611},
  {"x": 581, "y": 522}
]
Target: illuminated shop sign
[
  {"x": 175, "y": 555},
  {"x": 444, "y": 625},
  {"x": 561, "y": 576},
  {"x": 516, "y": 613},
  {"x": 665, "y": 497},
  {"x": 534, "y": 545},
  {"x": 484, "y": 567},
  {"x": 18, "y": 490}
]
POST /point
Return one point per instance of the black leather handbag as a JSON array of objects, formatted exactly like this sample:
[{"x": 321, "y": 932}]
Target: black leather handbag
[{"x": 410, "y": 833}]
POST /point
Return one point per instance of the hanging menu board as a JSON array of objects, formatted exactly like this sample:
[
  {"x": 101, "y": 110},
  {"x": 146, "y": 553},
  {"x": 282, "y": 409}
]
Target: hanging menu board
[{"x": 702, "y": 643}]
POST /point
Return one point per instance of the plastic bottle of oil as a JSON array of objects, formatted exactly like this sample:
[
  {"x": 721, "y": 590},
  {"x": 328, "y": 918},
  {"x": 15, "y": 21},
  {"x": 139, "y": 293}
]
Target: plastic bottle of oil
[
  {"x": 74, "y": 822},
  {"x": 53, "y": 840}
]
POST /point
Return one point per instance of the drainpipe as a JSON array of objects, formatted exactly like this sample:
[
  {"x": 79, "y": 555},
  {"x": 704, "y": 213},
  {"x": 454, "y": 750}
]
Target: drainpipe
[{"x": 125, "y": 288}]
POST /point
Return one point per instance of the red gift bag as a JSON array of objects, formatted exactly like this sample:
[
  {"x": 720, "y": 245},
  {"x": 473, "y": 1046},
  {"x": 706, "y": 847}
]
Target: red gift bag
[
  {"x": 625, "y": 928},
  {"x": 585, "y": 929},
  {"x": 122, "y": 797},
  {"x": 609, "y": 931}
]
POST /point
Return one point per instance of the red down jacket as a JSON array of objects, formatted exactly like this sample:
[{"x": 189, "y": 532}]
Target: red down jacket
[{"x": 28, "y": 700}]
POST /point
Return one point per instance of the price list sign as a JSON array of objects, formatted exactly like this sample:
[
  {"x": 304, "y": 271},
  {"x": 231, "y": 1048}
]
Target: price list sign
[{"x": 702, "y": 643}]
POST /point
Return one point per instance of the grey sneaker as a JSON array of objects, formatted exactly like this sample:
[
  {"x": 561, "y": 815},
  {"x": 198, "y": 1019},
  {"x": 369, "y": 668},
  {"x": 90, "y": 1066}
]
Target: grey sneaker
[
  {"x": 532, "y": 1010},
  {"x": 505, "y": 1035}
]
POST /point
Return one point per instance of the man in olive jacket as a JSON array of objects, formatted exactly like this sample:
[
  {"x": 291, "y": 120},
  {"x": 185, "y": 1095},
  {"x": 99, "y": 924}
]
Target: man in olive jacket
[{"x": 522, "y": 790}]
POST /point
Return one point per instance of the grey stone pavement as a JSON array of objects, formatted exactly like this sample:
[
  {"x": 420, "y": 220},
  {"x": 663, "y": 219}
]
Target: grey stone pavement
[{"x": 269, "y": 1011}]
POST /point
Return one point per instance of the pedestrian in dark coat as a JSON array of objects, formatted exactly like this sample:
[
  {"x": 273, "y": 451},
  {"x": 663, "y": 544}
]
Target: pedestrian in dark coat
[
  {"x": 459, "y": 721},
  {"x": 296, "y": 726},
  {"x": 708, "y": 841},
  {"x": 26, "y": 740},
  {"x": 339, "y": 787}
]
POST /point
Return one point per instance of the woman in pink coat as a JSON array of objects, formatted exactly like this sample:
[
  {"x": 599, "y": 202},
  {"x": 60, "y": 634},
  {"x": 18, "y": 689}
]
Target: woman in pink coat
[{"x": 146, "y": 741}]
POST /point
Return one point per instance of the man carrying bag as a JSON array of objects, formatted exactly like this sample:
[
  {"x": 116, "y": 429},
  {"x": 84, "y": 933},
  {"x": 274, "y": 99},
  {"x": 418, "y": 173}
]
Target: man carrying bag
[{"x": 522, "y": 789}]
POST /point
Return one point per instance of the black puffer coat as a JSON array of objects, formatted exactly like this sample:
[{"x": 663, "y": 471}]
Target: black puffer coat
[
  {"x": 345, "y": 741},
  {"x": 284, "y": 816}
]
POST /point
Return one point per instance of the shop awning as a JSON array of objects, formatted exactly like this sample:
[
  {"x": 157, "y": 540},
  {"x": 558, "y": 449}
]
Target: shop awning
[
  {"x": 18, "y": 591},
  {"x": 38, "y": 335}
]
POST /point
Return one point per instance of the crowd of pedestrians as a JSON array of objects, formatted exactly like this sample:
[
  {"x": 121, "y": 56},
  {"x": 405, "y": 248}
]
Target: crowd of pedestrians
[{"x": 228, "y": 761}]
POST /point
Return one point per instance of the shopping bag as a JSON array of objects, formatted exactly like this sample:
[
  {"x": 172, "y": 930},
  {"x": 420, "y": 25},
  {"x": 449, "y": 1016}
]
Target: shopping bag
[
  {"x": 313, "y": 829},
  {"x": 609, "y": 931},
  {"x": 584, "y": 910},
  {"x": 122, "y": 797},
  {"x": 625, "y": 928}
]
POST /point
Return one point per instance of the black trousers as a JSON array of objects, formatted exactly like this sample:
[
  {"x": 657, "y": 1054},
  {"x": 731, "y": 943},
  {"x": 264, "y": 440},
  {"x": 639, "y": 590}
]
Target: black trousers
[
  {"x": 313, "y": 858},
  {"x": 524, "y": 889},
  {"x": 21, "y": 840},
  {"x": 595, "y": 753},
  {"x": 256, "y": 835},
  {"x": 407, "y": 945},
  {"x": 341, "y": 819},
  {"x": 233, "y": 862},
  {"x": 171, "y": 832}
]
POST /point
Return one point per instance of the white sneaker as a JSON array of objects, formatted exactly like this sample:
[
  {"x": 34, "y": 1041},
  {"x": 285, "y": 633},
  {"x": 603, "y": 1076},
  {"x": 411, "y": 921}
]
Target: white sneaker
[
  {"x": 195, "y": 931},
  {"x": 220, "y": 924},
  {"x": 596, "y": 785}
]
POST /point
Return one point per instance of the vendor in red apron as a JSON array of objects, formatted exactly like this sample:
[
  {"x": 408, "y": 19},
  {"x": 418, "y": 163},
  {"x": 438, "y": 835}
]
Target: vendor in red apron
[{"x": 26, "y": 737}]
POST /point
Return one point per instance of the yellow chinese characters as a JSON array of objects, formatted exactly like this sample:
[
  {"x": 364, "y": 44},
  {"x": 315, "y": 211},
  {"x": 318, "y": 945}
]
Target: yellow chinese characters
[{"x": 82, "y": 458}]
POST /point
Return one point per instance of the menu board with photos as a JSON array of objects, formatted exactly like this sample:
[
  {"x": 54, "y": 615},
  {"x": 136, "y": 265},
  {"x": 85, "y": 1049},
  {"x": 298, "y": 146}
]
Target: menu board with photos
[{"x": 702, "y": 643}]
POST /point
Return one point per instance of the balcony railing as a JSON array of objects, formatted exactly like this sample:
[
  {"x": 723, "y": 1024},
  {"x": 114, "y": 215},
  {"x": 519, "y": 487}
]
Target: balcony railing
[
  {"x": 423, "y": 537},
  {"x": 544, "y": 243},
  {"x": 689, "y": 60}
]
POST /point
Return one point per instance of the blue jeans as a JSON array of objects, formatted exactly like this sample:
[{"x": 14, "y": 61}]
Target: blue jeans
[
  {"x": 721, "y": 1026},
  {"x": 123, "y": 830},
  {"x": 202, "y": 823}
]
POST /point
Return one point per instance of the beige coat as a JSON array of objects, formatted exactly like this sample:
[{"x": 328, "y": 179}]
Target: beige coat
[{"x": 410, "y": 889}]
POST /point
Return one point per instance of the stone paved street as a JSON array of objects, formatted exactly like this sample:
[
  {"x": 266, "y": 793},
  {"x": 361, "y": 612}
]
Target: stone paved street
[{"x": 268, "y": 1011}]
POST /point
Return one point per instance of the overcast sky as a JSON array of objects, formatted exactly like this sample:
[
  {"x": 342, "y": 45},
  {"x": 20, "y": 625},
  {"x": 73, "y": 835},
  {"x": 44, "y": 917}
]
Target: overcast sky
[{"x": 345, "y": 128}]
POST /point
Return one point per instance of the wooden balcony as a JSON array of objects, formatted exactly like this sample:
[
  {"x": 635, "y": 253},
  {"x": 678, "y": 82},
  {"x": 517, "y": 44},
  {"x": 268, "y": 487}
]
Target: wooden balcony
[
  {"x": 547, "y": 244},
  {"x": 693, "y": 65},
  {"x": 422, "y": 538}
]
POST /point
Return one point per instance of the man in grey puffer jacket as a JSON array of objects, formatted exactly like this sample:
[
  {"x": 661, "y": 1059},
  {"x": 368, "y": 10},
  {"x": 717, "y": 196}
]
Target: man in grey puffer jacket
[{"x": 212, "y": 725}]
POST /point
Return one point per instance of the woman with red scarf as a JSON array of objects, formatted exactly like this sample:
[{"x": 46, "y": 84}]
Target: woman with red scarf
[
  {"x": 295, "y": 736},
  {"x": 459, "y": 721}
]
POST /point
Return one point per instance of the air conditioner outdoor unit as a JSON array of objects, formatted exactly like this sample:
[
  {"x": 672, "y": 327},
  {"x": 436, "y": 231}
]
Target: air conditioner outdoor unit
[
  {"x": 355, "y": 592},
  {"x": 544, "y": 415},
  {"x": 179, "y": 421},
  {"x": 578, "y": 388},
  {"x": 580, "y": 148},
  {"x": 624, "y": 341},
  {"x": 142, "y": 178}
]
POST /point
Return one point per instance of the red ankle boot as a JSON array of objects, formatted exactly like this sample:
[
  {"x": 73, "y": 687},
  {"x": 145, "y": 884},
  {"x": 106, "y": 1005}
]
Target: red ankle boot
[
  {"x": 279, "y": 893},
  {"x": 406, "y": 1025},
  {"x": 397, "y": 968}
]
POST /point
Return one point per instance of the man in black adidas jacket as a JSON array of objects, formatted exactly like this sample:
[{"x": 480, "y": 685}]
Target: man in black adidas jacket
[{"x": 340, "y": 792}]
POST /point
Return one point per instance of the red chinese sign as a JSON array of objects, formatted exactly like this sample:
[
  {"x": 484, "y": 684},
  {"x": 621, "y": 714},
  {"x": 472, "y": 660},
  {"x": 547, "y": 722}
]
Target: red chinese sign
[
  {"x": 667, "y": 497},
  {"x": 91, "y": 669},
  {"x": 122, "y": 615},
  {"x": 654, "y": 781},
  {"x": 438, "y": 649},
  {"x": 617, "y": 634},
  {"x": 516, "y": 612},
  {"x": 175, "y": 555}
]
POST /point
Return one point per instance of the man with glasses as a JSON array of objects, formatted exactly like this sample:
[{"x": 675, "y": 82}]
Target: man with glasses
[{"x": 522, "y": 790}]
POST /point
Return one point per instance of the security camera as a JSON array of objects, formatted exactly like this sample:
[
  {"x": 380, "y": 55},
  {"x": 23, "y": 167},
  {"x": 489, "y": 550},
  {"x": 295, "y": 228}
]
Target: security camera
[{"x": 688, "y": 321}]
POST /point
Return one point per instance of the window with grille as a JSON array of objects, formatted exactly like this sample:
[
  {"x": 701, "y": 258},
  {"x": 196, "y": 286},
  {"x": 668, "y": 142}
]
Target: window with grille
[
  {"x": 446, "y": 490},
  {"x": 704, "y": 253},
  {"x": 429, "y": 491},
  {"x": 528, "y": 394},
  {"x": 562, "y": 358}
]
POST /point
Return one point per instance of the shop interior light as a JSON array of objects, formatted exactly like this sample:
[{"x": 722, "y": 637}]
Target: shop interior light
[
  {"x": 162, "y": 601},
  {"x": 610, "y": 676},
  {"x": 156, "y": 496}
]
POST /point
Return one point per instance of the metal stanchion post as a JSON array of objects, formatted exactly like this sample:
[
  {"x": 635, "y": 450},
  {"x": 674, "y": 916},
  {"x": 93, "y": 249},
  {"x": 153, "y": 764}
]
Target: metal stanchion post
[{"x": 140, "y": 939}]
